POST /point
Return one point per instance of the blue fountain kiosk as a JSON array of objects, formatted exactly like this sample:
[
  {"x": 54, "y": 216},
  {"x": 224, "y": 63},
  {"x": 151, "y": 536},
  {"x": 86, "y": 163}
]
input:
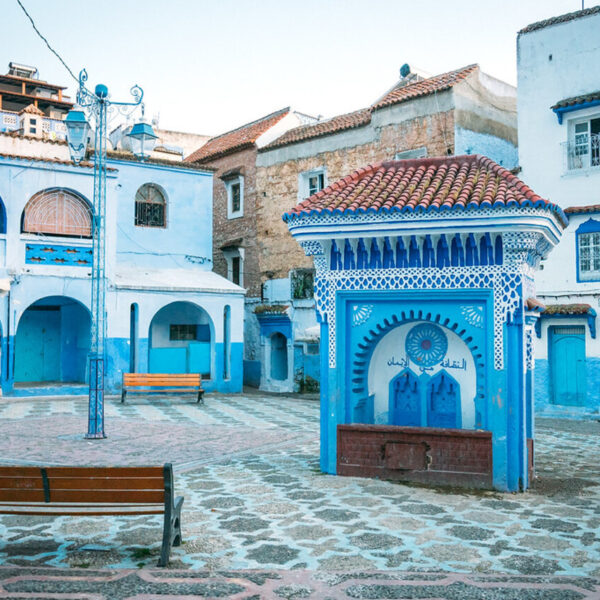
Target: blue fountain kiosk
[{"x": 425, "y": 296}]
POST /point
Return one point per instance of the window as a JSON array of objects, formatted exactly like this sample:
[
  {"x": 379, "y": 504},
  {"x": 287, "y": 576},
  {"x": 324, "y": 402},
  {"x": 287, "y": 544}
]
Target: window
[
  {"x": 150, "y": 206},
  {"x": 183, "y": 333},
  {"x": 235, "y": 264},
  {"x": 235, "y": 197},
  {"x": 311, "y": 182},
  {"x": 583, "y": 149},
  {"x": 57, "y": 212},
  {"x": 588, "y": 251},
  {"x": 416, "y": 153}
]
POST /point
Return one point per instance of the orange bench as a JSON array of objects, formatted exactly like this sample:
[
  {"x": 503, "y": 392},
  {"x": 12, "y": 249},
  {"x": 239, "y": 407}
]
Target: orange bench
[
  {"x": 163, "y": 383},
  {"x": 94, "y": 491}
]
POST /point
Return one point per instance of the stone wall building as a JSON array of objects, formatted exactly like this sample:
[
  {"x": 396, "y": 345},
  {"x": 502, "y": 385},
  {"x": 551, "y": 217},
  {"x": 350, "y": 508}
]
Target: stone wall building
[{"x": 460, "y": 112}]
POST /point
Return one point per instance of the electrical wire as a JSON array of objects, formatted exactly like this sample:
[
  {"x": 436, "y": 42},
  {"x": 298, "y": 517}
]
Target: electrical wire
[{"x": 47, "y": 42}]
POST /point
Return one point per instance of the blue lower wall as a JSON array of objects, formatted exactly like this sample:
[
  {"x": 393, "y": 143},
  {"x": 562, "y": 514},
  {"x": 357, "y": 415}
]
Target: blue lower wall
[
  {"x": 117, "y": 362},
  {"x": 542, "y": 392},
  {"x": 252, "y": 373}
]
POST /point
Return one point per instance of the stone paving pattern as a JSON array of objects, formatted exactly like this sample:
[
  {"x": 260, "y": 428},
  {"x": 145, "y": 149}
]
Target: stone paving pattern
[{"x": 256, "y": 500}]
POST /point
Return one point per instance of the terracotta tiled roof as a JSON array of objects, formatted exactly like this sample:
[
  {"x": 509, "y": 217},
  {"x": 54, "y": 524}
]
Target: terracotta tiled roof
[
  {"x": 424, "y": 184},
  {"x": 567, "y": 309},
  {"x": 242, "y": 137},
  {"x": 438, "y": 83},
  {"x": 561, "y": 19},
  {"x": 577, "y": 100},
  {"x": 177, "y": 164},
  {"x": 362, "y": 117},
  {"x": 84, "y": 163},
  {"x": 357, "y": 118},
  {"x": 535, "y": 305},
  {"x": 32, "y": 109},
  {"x": 582, "y": 210}
]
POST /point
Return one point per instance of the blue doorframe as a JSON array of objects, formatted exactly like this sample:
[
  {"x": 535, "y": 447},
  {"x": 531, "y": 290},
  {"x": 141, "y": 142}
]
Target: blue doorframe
[{"x": 567, "y": 365}]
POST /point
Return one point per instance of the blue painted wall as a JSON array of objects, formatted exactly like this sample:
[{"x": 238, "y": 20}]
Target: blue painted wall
[
  {"x": 543, "y": 385},
  {"x": 499, "y": 150},
  {"x": 183, "y": 250}
]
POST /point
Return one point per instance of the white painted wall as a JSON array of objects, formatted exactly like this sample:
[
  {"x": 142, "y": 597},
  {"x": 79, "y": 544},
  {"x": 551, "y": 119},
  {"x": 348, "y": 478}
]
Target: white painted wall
[
  {"x": 392, "y": 346},
  {"x": 542, "y": 82}
]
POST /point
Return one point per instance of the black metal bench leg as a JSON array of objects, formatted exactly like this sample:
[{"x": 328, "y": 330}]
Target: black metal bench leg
[
  {"x": 123, "y": 394},
  {"x": 171, "y": 532},
  {"x": 200, "y": 398}
]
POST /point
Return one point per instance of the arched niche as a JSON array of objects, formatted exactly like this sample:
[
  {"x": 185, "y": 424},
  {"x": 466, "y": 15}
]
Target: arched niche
[
  {"x": 52, "y": 342},
  {"x": 421, "y": 350},
  {"x": 181, "y": 340}
]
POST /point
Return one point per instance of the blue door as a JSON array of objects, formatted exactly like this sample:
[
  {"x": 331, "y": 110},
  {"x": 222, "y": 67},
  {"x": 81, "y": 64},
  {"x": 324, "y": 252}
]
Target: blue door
[
  {"x": 567, "y": 366},
  {"x": 443, "y": 402},
  {"x": 405, "y": 399}
]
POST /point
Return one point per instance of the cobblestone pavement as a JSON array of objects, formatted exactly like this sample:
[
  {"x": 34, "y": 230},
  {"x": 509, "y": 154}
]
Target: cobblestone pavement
[{"x": 256, "y": 500}]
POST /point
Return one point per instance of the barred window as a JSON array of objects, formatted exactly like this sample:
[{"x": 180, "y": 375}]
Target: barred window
[
  {"x": 150, "y": 206},
  {"x": 182, "y": 333}
]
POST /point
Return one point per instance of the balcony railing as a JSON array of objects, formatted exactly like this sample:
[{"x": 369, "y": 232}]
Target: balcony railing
[{"x": 582, "y": 154}]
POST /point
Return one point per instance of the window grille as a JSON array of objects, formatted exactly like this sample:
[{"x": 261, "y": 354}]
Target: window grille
[
  {"x": 10, "y": 119},
  {"x": 236, "y": 267},
  {"x": 150, "y": 206},
  {"x": 589, "y": 252},
  {"x": 236, "y": 198},
  {"x": 574, "y": 330},
  {"x": 182, "y": 333},
  {"x": 57, "y": 212}
]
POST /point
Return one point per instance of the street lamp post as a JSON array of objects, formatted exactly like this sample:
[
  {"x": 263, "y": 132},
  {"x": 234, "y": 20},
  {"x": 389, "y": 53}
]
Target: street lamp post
[{"x": 99, "y": 106}]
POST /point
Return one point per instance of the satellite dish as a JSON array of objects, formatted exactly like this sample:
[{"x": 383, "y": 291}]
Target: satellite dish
[{"x": 404, "y": 70}]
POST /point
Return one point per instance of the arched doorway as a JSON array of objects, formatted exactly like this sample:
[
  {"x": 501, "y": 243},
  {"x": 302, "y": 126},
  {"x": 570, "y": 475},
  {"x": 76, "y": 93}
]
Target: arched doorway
[
  {"x": 52, "y": 342},
  {"x": 279, "y": 357},
  {"x": 181, "y": 339}
]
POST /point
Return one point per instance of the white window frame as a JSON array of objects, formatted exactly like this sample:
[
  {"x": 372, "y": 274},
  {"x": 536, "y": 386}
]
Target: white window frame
[
  {"x": 304, "y": 182},
  {"x": 230, "y": 254},
  {"x": 231, "y": 214},
  {"x": 578, "y": 162},
  {"x": 420, "y": 152},
  {"x": 589, "y": 241}
]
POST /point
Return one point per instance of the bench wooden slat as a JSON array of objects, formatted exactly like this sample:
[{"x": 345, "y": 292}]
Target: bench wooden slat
[
  {"x": 81, "y": 510},
  {"x": 85, "y": 495},
  {"x": 97, "y": 472},
  {"x": 74, "y": 483}
]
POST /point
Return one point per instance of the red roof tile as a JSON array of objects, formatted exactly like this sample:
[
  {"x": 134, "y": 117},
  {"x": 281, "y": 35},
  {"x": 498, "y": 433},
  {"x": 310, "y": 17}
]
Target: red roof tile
[
  {"x": 357, "y": 118},
  {"x": 535, "y": 305},
  {"x": 567, "y": 309},
  {"x": 561, "y": 19},
  {"x": 582, "y": 210},
  {"x": 232, "y": 141},
  {"x": 575, "y": 100},
  {"x": 424, "y": 184},
  {"x": 438, "y": 83}
]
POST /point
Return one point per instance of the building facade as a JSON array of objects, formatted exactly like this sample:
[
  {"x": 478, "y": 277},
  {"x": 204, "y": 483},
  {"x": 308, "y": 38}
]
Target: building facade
[
  {"x": 461, "y": 112},
  {"x": 559, "y": 153},
  {"x": 425, "y": 301},
  {"x": 236, "y": 200},
  {"x": 166, "y": 310}
]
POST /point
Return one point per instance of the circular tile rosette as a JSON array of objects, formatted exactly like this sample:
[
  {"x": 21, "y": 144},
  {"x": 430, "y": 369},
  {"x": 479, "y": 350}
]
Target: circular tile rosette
[{"x": 426, "y": 344}]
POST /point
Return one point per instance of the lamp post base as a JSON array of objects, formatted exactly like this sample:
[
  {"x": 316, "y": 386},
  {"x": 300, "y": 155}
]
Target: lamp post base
[{"x": 96, "y": 399}]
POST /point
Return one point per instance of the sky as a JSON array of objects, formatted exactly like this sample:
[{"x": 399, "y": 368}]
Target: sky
[{"x": 208, "y": 67}]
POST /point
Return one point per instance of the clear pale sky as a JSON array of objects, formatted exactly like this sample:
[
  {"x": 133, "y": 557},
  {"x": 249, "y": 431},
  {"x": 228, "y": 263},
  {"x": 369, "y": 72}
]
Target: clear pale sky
[{"x": 208, "y": 67}]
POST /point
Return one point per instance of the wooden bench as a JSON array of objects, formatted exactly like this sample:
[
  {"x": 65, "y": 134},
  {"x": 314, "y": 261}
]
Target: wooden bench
[
  {"x": 93, "y": 491},
  {"x": 162, "y": 383}
]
